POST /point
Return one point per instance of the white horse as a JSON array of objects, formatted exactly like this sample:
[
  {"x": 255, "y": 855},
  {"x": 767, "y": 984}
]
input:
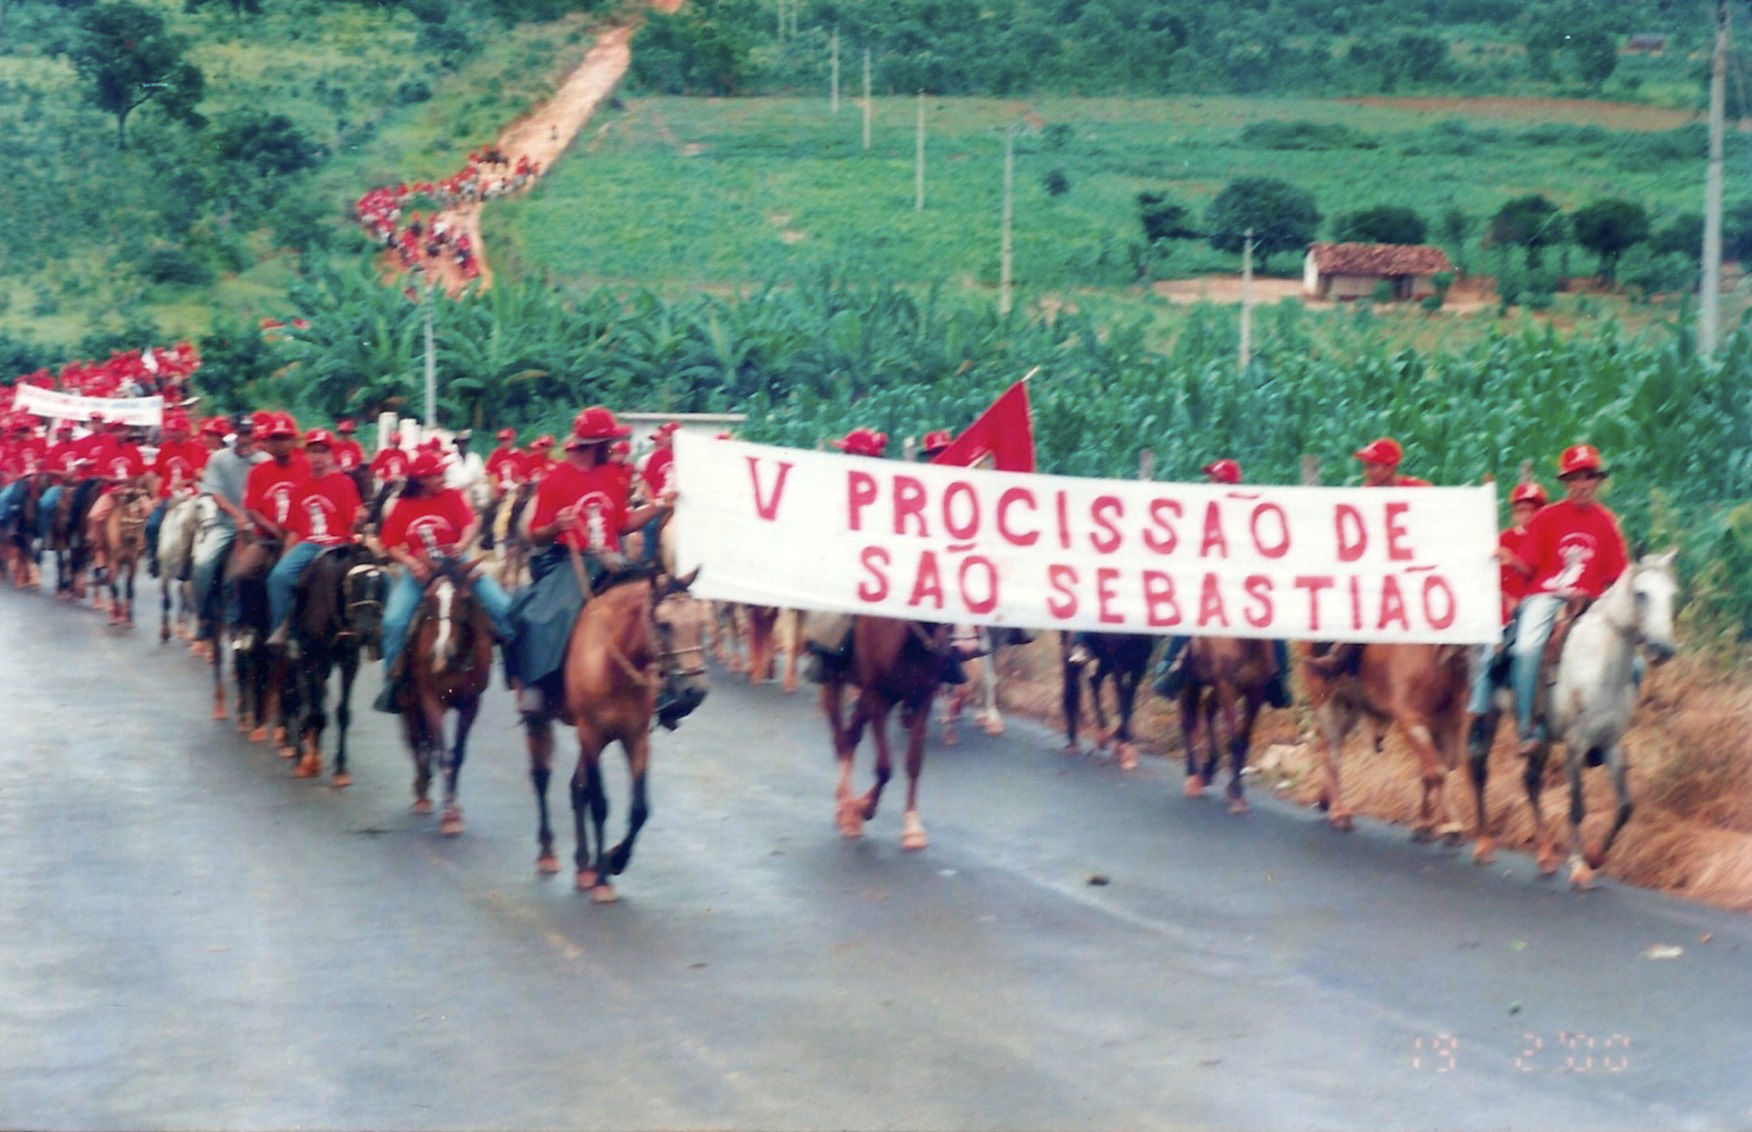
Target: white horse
[
  {"x": 176, "y": 548},
  {"x": 1595, "y": 692}
]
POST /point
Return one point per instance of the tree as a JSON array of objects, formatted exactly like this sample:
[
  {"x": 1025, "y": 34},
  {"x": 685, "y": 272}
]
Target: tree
[
  {"x": 271, "y": 144},
  {"x": 1164, "y": 220},
  {"x": 129, "y": 60},
  {"x": 1607, "y": 228},
  {"x": 1282, "y": 217},
  {"x": 1530, "y": 223},
  {"x": 238, "y": 7},
  {"x": 1383, "y": 224},
  {"x": 1456, "y": 227},
  {"x": 1682, "y": 235},
  {"x": 1595, "y": 55}
]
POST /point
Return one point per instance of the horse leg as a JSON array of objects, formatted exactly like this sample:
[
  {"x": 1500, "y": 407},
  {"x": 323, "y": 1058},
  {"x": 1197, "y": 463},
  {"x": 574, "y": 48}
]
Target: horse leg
[
  {"x": 1480, "y": 741},
  {"x": 420, "y": 746},
  {"x": 1213, "y": 737},
  {"x": 309, "y": 718},
  {"x": 639, "y": 809},
  {"x": 1071, "y": 696},
  {"x": 1103, "y": 733},
  {"x": 1125, "y": 686},
  {"x": 1582, "y": 872},
  {"x": 1336, "y": 722},
  {"x": 912, "y": 831},
  {"x": 466, "y": 710},
  {"x": 1533, "y": 777},
  {"x": 538, "y": 736},
  {"x": 349, "y": 663},
  {"x": 793, "y": 648},
  {"x": 164, "y": 587},
  {"x": 1432, "y": 776},
  {"x": 1187, "y": 703},
  {"x": 877, "y": 715},
  {"x": 592, "y": 871},
  {"x": 844, "y": 748},
  {"x": 1240, "y": 738}
]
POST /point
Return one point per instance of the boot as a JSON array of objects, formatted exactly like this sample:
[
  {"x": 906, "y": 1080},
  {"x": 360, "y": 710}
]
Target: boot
[
  {"x": 1277, "y": 693},
  {"x": 953, "y": 672},
  {"x": 1171, "y": 680},
  {"x": 392, "y": 680},
  {"x": 1478, "y": 737}
]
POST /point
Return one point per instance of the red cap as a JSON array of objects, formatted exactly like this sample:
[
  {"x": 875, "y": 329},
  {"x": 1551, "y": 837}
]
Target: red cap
[
  {"x": 431, "y": 444},
  {"x": 176, "y": 422},
  {"x": 1383, "y": 450},
  {"x": 96, "y": 417},
  {"x": 542, "y": 442},
  {"x": 260, "y": 421},
  {"x": 1223, "y": 471},
  {"x": 723, "y": 436},
  {"x": 215, "y": 426},
  {"x": 596, "y": 424},
  {"x": 1579, "y": 458},
  {"x": 282, "y": 425},
  {"x": 343, "y": 426},
  {"x": 621, "y": 448},
  {"x": 64, "y": 426},
  {"x": 117, "y": 426},
  {"x": 862, "y": 442},
  {"x": 507, "y": 435},
  {"x": 936, "y": 441},
  {"x": 427, "y": 463},
  {"x": 320, "y": 436},
  {"x": 1528, "y": 493}
]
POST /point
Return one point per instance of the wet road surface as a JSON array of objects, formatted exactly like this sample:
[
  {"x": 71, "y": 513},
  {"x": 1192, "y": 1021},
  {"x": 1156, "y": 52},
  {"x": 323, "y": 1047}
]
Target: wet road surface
[{"x": 189, "y": 937}]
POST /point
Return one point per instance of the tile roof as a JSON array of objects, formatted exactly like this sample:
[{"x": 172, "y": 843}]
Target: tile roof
[{"x": 1379, "y": 259}]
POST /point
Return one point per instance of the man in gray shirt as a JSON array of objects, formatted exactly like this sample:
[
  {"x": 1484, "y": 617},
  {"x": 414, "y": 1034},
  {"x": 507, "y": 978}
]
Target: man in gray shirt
[{"x": 223, "y": 483}]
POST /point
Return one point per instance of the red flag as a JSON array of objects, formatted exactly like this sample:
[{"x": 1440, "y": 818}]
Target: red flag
[{"x": 1002, "y": 437}]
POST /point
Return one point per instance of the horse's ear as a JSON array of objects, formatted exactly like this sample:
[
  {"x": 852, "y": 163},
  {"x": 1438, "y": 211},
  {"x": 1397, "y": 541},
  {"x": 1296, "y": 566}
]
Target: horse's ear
[
  {"x": 680, "y": 584},
  {"x": 1666, "y": 560},
  {"x": 1637, "y": 551}
]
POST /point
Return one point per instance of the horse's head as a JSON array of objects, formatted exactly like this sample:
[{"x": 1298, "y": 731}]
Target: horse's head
[
  {"x": 451, "y": 606},
  {"x": 680, "y": 623},
  {"x": 364, "y": 588},
  {"x": 1653, "y": 587}
]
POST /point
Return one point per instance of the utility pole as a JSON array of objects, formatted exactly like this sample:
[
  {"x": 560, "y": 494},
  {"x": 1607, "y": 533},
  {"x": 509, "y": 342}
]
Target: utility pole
[
  {"x": 431, "y": 366},
  {"x": 866, "y": 98},
  {"x": 1247, "y": 301},
  {"x": 833, "y": 68},
  {"x": 1009, "y": 213},
  {"x": 1709, "y": 310},
  {"x": 919, "y": 160}
]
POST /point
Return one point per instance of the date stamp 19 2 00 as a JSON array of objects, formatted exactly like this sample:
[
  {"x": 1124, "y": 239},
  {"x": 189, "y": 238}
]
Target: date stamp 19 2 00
[{"x": 1566, "y": 1051}]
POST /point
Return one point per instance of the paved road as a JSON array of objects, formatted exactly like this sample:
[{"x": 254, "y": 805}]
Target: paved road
[{"x": 191, "y": 938}]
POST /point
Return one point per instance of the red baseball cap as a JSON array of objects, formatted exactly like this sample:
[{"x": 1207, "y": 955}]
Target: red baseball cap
[
  {"x": 427, "y": 463},
  {"x": 596, "y": 424},
  {"x": 216, "y": 426},
  {"x": 282, "y": 425},
  {"x": 176, "y": 422},
  {"x": 507, "y": 434},
  {"x": 319, "y": 436},
  {"x": 1223, "y": 471},
  {"x": 667, "y": 428},
  {"x": 1579, "y": 458},
  {"x": 1528, "y": 493},
  {"x": 542, "y": 442},
  {"x": 936, "y": 441},
  {"x": 343, "y": 426},
  {"x": 863, "y": 442},
  {"x": 1382, "y": 450}
]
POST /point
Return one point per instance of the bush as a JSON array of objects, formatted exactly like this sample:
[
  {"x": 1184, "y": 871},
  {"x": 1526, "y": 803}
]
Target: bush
[
  {"x": 270, "y": 144},
  {"x": 1056, "y": 183},
  {"x": 1302, "y": 134},
  {"x": 1383, "y": 224},
  {"x": 411, "y": 91},
  {"x": 177, "y": 267}
]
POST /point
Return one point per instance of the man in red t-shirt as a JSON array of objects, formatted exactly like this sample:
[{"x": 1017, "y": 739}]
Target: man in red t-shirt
[
  {"x": 324, "y": 512},
  {"x": 658, "y": 467},
  {"x": 267, "y": 495},
  {"x": 1487, "y": 662},
  {"x": 176, "y": 471},
  {"x": 505, "y": 464},
  {"x": 116, "y": 462},
  {"x": 1380, "y": 459},
  {"x": 427, "y": 517},
  {"x": 539, "y": 459},
  {"x": 1572, "y": 548},
  {"x": 349, "y": 456},
  {"x": 391, "y": 463}
]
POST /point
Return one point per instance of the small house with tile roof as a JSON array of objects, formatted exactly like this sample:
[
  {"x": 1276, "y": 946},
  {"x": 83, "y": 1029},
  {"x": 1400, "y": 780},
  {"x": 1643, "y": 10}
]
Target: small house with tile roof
[{"x": 1353, "y": 271}]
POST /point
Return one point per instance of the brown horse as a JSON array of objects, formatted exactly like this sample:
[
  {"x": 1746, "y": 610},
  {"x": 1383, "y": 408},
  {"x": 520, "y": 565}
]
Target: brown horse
[
  {"x": 124, "y": 542},
  {"x": 1420, "y": 688},
  {"x": 449, "y": 664},
  {"x": 1226, "y": 676},
  {"x": 764, "y": 629},
  {"x": 1121, "y": 657},
  {"x": 894, "y": 664},
  {"x": 625, "y": 647}
]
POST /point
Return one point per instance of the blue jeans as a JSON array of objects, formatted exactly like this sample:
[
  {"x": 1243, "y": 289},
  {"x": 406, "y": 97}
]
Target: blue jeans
[
  {"x": 1537, "y": 615},
  {"x": 153, "y": 522},
  {"x": 46, "y": 507},
  {"x": 212, "y": 550},
  {"x": 11, "y": 499},
  {"x": 404, "y": 601},
  {"x": 283, "y": 580}
]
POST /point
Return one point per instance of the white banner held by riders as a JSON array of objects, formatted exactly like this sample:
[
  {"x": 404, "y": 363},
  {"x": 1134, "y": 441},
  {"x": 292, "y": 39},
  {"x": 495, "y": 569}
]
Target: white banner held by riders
[
  {"x": 813, "y": 530},
  {"x": 144, "y": 412}
]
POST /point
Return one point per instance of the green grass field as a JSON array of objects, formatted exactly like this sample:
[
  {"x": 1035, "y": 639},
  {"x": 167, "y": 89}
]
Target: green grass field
[{"x": 711, "y": 191}]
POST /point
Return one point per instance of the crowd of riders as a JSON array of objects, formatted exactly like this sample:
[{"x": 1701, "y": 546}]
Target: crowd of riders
[{"x": 417, "y": 239}]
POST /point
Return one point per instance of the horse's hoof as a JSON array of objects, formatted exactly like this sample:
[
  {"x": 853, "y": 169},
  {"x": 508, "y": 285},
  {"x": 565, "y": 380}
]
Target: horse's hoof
[
  {"x": 1581, "y": 877},
  {"x": 1195, "y": 786},
  {"x": 790, "y": 685},
  {"x": 279, "y": 733},
  {"x": 993, "y": 726},
  {"x": 259, "y": 735},
  {"x": 310, "y": 766},
  {"x": 451, "y": 824},
  {"x": 603, "y": 894},
  {"x": 1071, "y": 748},
  {"x": 287, "y": 751},
  {"x": 1547, "y": 863},
  {"x": 912, "y": 833},
  {"x": 1422, "y": 835},
  {"x": 341, "y": 781},
  {"x": 219, "y": 712},
  {"x": 1484, "y": 852},
  {"x": 1239, "y": 806},
  {"x": 585, "y": 881},
  {"x": 422, "y": 805},
  {"x": 950, "y": 738},
  {"x": 547, "y": 864},
  {"x": 1344, "y": 823},
  {"x": 1128, "y": 757},
  {"x": 849, "y": 821}
]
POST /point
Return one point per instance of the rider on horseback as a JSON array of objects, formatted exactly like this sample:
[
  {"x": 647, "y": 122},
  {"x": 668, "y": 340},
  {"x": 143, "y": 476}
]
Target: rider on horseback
[
  {"x": 176, "y": 470},
  {"x": 391, "y": 463},
  {"x": 118, "y": 462},
  {"x": 326, "y": 512},
  {"x": 657, "y": 472},
  {"x": 427, "y": 519},
  {"x": 581, "y": 508},
  {"x": 1488, "y": 661},
  {"x": 1573, "y": 551},
  {"x": 348, "y": 455},
  {"x": 1171, "y": 672}
]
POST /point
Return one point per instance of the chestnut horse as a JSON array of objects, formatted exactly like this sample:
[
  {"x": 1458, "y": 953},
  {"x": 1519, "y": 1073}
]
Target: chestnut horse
[
  {"x": 1121, "y": 657},
  {"x": 124, "y": 541},
  {"x": 1420, "y": 688},
  {"x": 894, "y": 664},
  {"x": 449, "y": 664},
  {"x": 1226, "y": 676},
  {"x": 625, "y": 647}
]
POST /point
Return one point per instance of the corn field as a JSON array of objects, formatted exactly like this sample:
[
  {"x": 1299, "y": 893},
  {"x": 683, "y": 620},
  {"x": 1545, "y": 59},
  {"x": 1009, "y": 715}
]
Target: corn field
[{"x": 815, "y": 357}]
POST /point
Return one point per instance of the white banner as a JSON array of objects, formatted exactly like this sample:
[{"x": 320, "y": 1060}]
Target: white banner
[
  {"x": 812, "y": 530},
  {"x": 145, "y": 411}
]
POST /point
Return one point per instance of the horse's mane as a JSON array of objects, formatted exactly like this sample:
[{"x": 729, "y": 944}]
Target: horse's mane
[{"x": 624, "y": 575}]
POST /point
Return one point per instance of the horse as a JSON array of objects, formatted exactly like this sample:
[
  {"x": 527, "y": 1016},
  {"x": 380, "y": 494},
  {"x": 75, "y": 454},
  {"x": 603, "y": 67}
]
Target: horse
[
  {"x": 68, "y": 540},
  {"x": 20, "y": 536},
  {"x": 449, "y": 664},
  {"x": 1590, "y": 707},
  {"x": 1421, "y": 688},
  {"x": 253, "y": 663},
  {"x": 511, "y": 545},
  {"x": 1226, "y": 676},
  {"x": 764, "y": 630},
  {"x": 1121, "y": 657},
  {"x": 176, "y": 552},
  {"x": 625, "y": 647},
  {"x": 982, "y": 681},
  {"x": 894, "y": 664},
  {"x": 338, "y": 612},
  {"x": 124, "y": 541}
]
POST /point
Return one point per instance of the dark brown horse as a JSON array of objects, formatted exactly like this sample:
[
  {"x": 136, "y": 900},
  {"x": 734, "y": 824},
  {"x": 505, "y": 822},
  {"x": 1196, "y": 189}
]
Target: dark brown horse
[
  {"x": 630, "y": 641},
  {"x": 337, "y": 612},
  {"x": 124, "y": 542},
  {"x": 1121, "y": 657},
  {"x": 1226, "y": 677},
  {"x": 1420, "y": 688},
  {"x": 894, "y": 664},
  {"x": 449, "y": 664}
]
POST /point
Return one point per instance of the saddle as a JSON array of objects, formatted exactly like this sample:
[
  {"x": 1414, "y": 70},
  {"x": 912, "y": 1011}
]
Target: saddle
[
  {"x": 1334, "y": 661},
  {"x": 1573, "y": 607}
]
